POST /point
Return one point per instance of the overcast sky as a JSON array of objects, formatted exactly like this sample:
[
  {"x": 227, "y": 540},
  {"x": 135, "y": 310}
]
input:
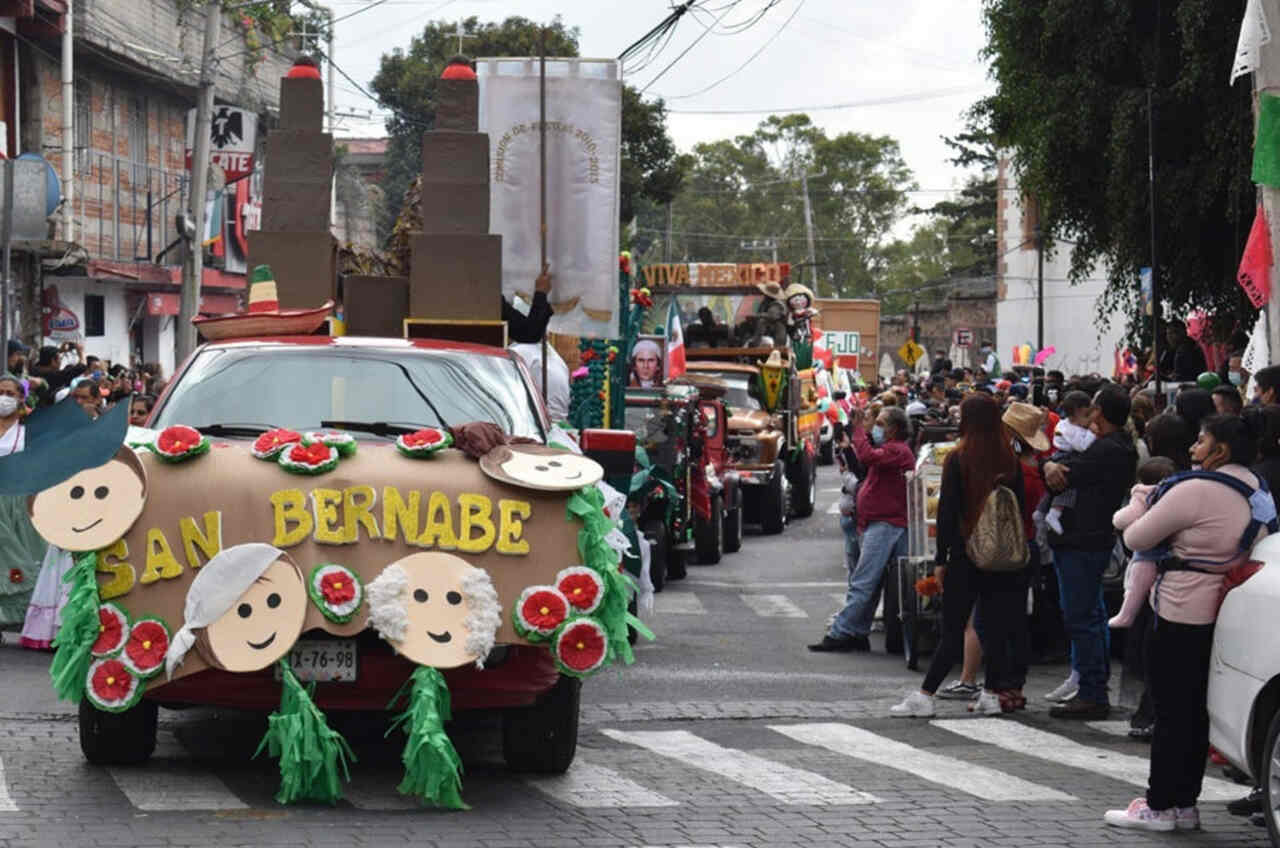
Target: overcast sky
[{"x": 812, "y": 53}]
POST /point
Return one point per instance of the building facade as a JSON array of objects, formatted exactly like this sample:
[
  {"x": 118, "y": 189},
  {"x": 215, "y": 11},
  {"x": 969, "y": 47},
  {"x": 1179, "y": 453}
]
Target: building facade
[{"x": 967, "y": 315}]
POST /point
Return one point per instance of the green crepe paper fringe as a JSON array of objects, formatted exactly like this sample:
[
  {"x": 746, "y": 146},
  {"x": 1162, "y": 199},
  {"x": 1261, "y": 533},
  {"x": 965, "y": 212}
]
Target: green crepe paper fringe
[
  {"x": 78, "y": 631},
  {"x": 1266, "y": 150},
  {"x": 432, "y": 768},
  {"x": 311, "y": 753},
  {"x": 587, "y": 505}
]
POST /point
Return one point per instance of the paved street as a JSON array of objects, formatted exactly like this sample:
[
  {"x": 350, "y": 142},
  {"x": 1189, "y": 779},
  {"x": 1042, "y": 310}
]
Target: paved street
[{"x": 726, "y": 732}]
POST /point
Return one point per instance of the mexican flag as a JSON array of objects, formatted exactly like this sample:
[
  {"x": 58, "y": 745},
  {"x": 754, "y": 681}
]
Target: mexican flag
[{"x": 674, "y": 363}]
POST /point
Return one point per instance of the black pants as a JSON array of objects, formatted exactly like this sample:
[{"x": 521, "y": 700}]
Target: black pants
[
  {"x": 1178, "y": 679},
  {"x": 1003, "y": 600}
]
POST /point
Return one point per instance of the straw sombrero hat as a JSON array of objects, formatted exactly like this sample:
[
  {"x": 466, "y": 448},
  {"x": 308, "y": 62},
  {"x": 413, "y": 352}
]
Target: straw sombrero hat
[
  {"x": 772, "y": 290},
  {"x": 1027, "y": 422},
  {"x": 795, "y": 289},
  {"x": 264, "y": 318}
]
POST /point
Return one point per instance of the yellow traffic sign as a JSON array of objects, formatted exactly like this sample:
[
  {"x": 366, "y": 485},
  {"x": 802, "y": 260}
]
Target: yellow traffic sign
[{"x": 910, "y": 353}]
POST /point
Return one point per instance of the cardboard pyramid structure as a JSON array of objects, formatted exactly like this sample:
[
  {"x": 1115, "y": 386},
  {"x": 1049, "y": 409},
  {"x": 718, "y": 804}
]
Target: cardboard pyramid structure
[
  {"x": 294, "y": 238},
  {"x": 456, "y": 271}
]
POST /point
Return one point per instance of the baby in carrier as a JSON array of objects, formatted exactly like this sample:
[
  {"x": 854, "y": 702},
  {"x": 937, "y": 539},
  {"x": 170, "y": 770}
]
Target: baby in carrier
[
  {"x": 1071, "y": 436},
  {"x": 1141, "y": 574}
]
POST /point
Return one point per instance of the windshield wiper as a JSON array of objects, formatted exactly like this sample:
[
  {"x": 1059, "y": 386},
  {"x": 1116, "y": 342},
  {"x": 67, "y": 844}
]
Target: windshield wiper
[
  {"x": 235, "y": 429},
  {"x": 376, "y": 428}
]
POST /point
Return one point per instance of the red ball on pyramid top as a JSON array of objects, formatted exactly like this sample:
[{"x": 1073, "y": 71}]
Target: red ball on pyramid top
[
  {"x": 459, "y": 68},
  {"x": 304, "y": 67}
]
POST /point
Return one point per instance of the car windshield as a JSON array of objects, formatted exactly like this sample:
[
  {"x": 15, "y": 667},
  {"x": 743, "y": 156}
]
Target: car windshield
[
  {"x": 737, "y": 390},
  {"x": 299, "y": 387}
]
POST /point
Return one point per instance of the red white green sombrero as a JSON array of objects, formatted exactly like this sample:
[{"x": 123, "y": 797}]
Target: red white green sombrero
[{"x": 265, "y": 317}]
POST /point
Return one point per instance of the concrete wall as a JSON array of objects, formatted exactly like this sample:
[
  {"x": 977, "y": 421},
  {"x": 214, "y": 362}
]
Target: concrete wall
[
  {"x": 113, "y": 344},
  {"x": 938, "y": 323},
  {"x": 1071, "y": 321},
  {"x": 158, "y": 342}
]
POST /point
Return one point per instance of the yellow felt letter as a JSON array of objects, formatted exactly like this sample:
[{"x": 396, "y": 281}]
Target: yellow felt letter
[
  {"x": 209, "y": 541},
  {"x": 397, "y": 514},
  {"x": 357, "y": 506},
  {"x": 477, "y": 512},
  {"x": 325, "y": 503},
  {"x": 160, "y": 559},
  {"x": 122, "y": 573},
  {"x": 290, "y": 505},
  {"x": 513, "y": 515},
  {"x": 439, "y": 530}
]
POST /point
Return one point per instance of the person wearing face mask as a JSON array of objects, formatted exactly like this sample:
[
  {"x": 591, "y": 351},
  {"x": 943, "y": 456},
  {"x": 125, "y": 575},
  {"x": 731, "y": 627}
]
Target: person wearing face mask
[
  {"x": 23, "y": 549},
  {"x": 882, "y": 525},
  {"x": 12, "y": 433},
  {"x": 990, "y": 362}
]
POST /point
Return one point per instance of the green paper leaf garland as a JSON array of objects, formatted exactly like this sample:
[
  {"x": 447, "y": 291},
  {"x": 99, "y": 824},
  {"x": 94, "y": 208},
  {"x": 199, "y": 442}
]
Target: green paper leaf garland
[
  {"x": 78, "y": 631},
  {"x": 1266, "y": 150},
  {"x": 313, "y": 756},
  {"x": 432, "y": 768}
]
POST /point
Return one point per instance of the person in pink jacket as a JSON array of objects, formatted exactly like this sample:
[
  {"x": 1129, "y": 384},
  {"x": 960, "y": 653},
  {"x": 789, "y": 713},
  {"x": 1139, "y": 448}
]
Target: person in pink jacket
[
  {"x": 1140, "y": 576},
  {"x": 1203, "y": 523}
]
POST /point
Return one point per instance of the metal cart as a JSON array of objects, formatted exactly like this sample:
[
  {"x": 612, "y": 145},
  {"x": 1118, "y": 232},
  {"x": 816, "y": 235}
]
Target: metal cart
[{"x": 921, "y": 617}]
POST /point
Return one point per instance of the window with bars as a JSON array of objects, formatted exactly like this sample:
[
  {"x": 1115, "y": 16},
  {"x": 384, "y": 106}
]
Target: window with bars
[
  {"x": 84, "y": 120},
  {"x": 139, "y": 148}
]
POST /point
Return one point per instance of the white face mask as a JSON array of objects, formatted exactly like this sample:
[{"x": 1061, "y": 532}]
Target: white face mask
[{"x": 8, "y": 406}]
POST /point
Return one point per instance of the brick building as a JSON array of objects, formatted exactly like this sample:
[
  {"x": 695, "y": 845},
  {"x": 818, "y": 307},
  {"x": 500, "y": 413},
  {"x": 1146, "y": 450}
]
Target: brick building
[
  {"x": 136, "y": 72},
  {"x": 358, "y": 197},
  {"x": 970, "y": 305}
]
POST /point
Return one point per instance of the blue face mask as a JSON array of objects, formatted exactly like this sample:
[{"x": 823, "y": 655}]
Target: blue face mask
[
  {"x": 1235, "y": 378},
  {"x": 877, "y": 434}
]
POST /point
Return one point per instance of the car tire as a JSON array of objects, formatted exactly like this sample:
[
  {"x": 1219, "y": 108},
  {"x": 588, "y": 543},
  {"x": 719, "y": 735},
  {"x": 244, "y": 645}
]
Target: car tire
[
  {"x": 773, "y": 501},
  {"x": 118, "y": 739},
  {"x": 733, "y": 525},
  {"x": 804, "y": 485},
  {"x": 659, "y": 551},
  {"x": 1268, "y": 772},
  {"x": 827, "y": 455},
  {"x": 893, "y": 641},
  {"x": 708, "y": 536},
  {"x": 676, "y": 565},
  {"x": 543, "y": 739}
]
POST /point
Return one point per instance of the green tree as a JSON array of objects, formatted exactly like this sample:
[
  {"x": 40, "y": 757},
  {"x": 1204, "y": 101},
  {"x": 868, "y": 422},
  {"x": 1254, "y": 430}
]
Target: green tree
[
  {"x": 406, "y": 84},
  {"x": 750, "y": 187},
  {"x": 1073, "y": 79}
]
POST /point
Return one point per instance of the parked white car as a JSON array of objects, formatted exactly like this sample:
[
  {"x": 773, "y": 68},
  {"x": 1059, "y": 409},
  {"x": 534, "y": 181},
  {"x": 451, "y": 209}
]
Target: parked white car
[{"x": 1244, "y": 682}]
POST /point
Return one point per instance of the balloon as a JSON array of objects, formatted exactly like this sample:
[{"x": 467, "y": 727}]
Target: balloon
[
  {"x": 1208, "y": 381},
  {"x": 1045, "y": 354}
]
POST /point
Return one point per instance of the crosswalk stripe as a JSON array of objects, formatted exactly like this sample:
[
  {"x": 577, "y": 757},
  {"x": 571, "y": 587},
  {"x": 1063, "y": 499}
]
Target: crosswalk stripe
[
  {"x": 6, "y": 800},
  {"x": 177, "y": 788},
  {"x": 834, "y": 509},
  {"x": 839, "y": 596},
  {"x": 1118, "y": 727},
  {"x": 785, "y": 783},
  {"x": 590, "y": 785},
  {"x": 968, "y": 777},
  {"x": 773, "y": 606},
  {"x": 1013, "y": 736},
  {"x": 677, "y": 603}
]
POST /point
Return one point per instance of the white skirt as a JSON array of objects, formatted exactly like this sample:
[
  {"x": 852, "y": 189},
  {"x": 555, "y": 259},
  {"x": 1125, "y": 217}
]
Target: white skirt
[{"x": 47, "y": 600}]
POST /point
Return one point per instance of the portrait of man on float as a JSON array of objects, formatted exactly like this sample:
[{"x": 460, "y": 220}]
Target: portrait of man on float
[
  {"x": 646, "y": 363},
  {"x": 441, "y": 612}
]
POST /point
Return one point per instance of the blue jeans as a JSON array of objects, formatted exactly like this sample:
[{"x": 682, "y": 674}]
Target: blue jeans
[
  {"x": 1085, "y": 614},
  {"x": 849, "y": 525},
  {"x": 877, "y": 544}
]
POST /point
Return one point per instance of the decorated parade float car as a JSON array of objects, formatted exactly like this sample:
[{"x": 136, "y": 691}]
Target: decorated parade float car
[{"x": 365, "y": 512}]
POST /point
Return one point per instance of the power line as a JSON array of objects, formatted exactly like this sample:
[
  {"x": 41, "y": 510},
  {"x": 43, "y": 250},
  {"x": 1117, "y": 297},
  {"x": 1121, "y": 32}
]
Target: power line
[
  {"x": 855, "y": 104},
  {"x": 750, "y": 58},
  {"x": 685, "y": 52}
]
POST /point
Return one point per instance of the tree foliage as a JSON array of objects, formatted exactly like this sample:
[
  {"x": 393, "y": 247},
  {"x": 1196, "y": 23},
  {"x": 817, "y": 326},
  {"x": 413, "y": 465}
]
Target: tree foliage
[
  {"x": 406, "y": 84},
  {"x": 1073, "y": 79},
  {"x": 750, "y": 187}
]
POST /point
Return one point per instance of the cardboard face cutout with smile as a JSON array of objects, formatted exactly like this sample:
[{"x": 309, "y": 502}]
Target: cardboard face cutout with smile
[
  {"x": 244, "y": 610},
  {"x": 93, "y": 508},
  {"x": 540, "y": 467},
  {"x": 435, "y": 609}
]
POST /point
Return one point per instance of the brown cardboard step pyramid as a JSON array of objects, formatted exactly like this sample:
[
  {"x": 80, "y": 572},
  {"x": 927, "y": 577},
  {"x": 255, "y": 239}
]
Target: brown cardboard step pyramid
[
  {"x": 295, "y": 239},
  {"x": 457, "y": 264}
]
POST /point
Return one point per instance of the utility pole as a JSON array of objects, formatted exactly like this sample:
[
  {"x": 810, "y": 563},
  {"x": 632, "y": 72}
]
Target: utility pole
[
  {"x": 808, "y": 226},
  {"x": 193, "y": 269},
  {"x": 1039, "y": 284},
  {"x": 667, "y": 245}
]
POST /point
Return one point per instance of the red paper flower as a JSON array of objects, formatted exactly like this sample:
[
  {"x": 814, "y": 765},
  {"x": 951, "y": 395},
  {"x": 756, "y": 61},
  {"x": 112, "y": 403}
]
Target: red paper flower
[
  {"x": 337, "y": 588},
  {"x": 113, "y": 624},
  {"x": 587, "y": 355},
  {"x": 111, "y": 681},
  {"x": 178, "y": 439},
  {"x": 581, "y": 646},
  {"x": 15, "y": 575},
  {"x": 424, "y": 438},
  {"x": 539, "y": 611},
  {"x": 582, "y": 587},
  {"x": 270, "y": 443},
  {"x": 313, "y": 454},
  {"x": 640, "y": 297},
  {"x": 145, "y": 650}
]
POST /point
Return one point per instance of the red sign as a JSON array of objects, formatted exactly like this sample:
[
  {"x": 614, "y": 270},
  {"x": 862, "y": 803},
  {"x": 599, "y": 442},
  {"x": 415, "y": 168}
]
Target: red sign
[{"x": 848, "y": 361}]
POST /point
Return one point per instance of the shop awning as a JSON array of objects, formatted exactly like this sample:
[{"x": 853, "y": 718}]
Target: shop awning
[{"x": 163, "y": 303}]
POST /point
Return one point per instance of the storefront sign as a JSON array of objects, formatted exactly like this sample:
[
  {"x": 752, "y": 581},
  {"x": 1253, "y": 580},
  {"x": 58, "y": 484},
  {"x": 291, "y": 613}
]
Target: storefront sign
[
  {"x": 60, "y": 323},
  {"x": 233, "y": 133}
]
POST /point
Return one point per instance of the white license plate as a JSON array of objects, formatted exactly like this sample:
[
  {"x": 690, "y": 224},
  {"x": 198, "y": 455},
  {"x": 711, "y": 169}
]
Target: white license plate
[{"x": 325, "y": 660}]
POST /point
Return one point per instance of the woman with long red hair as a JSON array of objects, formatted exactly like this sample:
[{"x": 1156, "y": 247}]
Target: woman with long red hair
[{"x": 983, "y": 460}]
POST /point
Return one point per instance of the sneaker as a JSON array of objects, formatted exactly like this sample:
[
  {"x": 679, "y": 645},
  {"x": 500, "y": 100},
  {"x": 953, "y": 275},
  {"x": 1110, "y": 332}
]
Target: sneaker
[
  {"x": 1066, "y": 691},
  {"x": 988, "y": 703},
  {"x": 1248, "y": 805},
  {"x": 1139, "y": 816},
  {"x": 916, "y": 705},
  {"x": 841, "y": 644},
  {"x": 1186, "y": 818},
  {"x": 959, "y": 691},
  {"x": 1081, "y": 710}
]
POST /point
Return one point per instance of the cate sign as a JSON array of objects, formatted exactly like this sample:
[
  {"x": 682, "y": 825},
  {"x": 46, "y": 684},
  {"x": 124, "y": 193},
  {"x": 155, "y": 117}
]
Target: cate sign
[{"x": 233, "y": 133}]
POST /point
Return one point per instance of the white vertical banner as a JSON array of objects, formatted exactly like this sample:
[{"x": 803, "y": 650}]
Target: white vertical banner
[{"x": 584, "y": 151}]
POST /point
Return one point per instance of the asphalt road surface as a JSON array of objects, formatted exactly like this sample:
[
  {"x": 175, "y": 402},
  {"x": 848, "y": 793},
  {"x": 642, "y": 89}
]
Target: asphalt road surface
[{"x": 726, "y": 732}]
